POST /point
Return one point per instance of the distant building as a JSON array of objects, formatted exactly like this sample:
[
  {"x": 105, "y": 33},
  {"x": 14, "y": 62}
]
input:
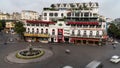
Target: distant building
[
  {"x": 9, "y": 26},
  {"x": 16, "y": 16},
  {"x": 5, "y": 16},
  {"x": 29, "y": 15}
]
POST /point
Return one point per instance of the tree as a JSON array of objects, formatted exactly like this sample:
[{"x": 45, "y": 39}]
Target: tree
[
  {"x": 52, "y": 7},
  {"x": 113, "y": 31},
  {"x": 20, "y": 29},
  {"x": 1, "y": 26}
]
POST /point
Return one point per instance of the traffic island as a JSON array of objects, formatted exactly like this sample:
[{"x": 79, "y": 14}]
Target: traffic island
[{"x": 24, "y": 56}]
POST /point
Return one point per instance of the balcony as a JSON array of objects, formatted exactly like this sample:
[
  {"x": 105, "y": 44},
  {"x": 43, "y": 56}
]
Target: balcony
[
  {"x": 50, "y": 9},
  {"x": 36, "y": 35},
  {"x": 74, "y": 35},
  {"x": 85, "y": 36}
]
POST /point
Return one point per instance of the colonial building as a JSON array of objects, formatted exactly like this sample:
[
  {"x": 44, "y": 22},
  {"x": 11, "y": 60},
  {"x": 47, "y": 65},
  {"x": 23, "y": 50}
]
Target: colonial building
[
  {"x": 5, "y": 16},
  {"x": 78, "y": 23},
  {"x": 29, "y": 15},
  {"x": 9, "y": 26},
  {"x": 16, "y": 16}
]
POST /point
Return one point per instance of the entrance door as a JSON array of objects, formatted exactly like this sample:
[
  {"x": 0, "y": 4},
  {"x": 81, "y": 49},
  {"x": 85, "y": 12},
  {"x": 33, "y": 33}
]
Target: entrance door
[
  {"x": 84, "y": 41},
  {"x": 52, "y": 39},
  {"x": 66, "y": 40}
]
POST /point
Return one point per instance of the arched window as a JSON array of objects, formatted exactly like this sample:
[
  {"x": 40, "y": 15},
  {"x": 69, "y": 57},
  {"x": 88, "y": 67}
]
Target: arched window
[
  {"x": 46, "y": 31},
  {"x": 73, "y": 32},
  {"x": 97, "y": 33},
  {"x": 62, "y": 14},
  {"x": 69, "y": 14},
  {"x": 85, "y": 33},
  {"x": 37, "y": 30},
  {"x": 32, "y": 30},
  {"x": 53, "y": 31},
  {"x": 78, "y": 32},
  {"x": 28, "y": 30},
  {"x": 41, "y": 31},
  {"x": 90, "y": 33}
]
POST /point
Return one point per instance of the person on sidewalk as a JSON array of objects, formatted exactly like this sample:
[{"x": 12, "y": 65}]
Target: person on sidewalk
[{"x": 114, "y": 46}]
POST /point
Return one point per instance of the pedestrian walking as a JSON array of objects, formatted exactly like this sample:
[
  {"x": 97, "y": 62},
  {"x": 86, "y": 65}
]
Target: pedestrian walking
[
  {"x": 114, "y": 46},
  {"x": 50, "y": 47}
]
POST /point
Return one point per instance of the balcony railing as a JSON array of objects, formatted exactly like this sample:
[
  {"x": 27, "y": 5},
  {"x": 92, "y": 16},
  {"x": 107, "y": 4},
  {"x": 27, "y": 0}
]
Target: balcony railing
[
  {"x": 85, "y": 36},
  {"x": 36, "y": 35}
]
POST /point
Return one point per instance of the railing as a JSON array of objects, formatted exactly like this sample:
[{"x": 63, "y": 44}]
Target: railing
[{"x": 85, "y": 36}]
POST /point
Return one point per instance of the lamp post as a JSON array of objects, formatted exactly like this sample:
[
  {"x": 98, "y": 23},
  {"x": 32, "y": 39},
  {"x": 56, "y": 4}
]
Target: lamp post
[
  {"x": 30, "y": 46},
  {"x": 100, "y": 42}
]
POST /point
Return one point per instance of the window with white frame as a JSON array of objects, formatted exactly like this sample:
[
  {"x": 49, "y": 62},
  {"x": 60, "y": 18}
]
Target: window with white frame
[
  {"x": 37, "y": 30},
  {"x": 53, "y": 31},
  {"x": 45, "y": 14},
  {"x": 97, "y": 33},
  {"x": 85, "y": 33},
  {"x": 32, "y": 30},
  {"x": 28, "y": 30},
  {"x": 78, "y": 32},
  {"x": 46, "y": 31},
  {"x": 41, "y": 31},
  {"x": 91, "y": 33},
  {"x": 73, "y": 32}
]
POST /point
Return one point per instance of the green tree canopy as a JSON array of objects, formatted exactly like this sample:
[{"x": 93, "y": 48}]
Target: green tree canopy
[
  {"x": 19, "y": 28},
  {"x": 1, "y": 26},
  {"x": 114, "y": 31}
]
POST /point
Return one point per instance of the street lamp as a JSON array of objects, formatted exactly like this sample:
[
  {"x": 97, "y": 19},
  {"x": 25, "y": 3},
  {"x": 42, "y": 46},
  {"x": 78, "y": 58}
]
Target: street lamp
[
  {"x": 100, "y": 42},
  {"x": 30, "y": 46}
]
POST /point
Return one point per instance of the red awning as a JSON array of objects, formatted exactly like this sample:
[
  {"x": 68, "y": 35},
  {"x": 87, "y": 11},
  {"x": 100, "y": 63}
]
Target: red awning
[
  {"x": 83, "y": 23},
  {"x": 39, "y": 21}
]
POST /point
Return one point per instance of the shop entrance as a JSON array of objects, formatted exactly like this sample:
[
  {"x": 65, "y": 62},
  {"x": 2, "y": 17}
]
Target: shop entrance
[
  {"x": 52, "y": 39},
  {"x": 84, "y": 41},
  {"x": 78, "y": 41},
  {"x": 66, "y": 39}
]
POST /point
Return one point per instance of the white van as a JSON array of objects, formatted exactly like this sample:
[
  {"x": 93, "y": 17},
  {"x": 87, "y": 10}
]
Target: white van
[{"x": 94, "y": 64}]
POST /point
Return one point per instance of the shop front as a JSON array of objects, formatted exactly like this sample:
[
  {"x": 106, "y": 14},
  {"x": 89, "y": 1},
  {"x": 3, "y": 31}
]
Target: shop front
[
  {"x": 85, "y": 41},
  {"x": 37, "y": 37}
]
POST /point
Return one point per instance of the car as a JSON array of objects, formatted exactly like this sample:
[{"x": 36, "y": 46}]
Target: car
[
  {"x": 115, "y": 59},
  {"x": 11, "y": 40},
  {"x": 116, "y": 42},
  {"x": 67, "y": 66},
  {"x": 67, "y": 51},
  {"x": 94, "y": 64}
]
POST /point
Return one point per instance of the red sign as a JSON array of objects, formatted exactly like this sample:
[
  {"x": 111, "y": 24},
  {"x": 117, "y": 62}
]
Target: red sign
[{"x": 60, "y": 33}]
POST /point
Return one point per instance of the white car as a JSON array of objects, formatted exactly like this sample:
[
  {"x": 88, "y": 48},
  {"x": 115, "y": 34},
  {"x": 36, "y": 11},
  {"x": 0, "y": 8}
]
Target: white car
[
  {"x": 116, "y": 42},
  {"x": 11, "y": 40},
  {"x": 67, "y": 66},
  {"x": 115, "y": 59}
]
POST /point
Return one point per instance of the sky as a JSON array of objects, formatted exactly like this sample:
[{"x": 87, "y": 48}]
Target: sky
[{"x": 107, "y": 8}]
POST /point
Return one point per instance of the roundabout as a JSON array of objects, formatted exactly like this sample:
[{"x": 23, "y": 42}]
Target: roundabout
[{"x": 29, "y": 55}]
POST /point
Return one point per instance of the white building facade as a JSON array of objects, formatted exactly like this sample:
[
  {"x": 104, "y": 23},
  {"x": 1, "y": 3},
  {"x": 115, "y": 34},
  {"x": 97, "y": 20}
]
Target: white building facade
[{"x": 77, "y": 23}]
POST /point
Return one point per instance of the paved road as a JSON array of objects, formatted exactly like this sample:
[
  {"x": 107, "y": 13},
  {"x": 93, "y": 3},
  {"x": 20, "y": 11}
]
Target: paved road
[{"x": 79, "y": 57}]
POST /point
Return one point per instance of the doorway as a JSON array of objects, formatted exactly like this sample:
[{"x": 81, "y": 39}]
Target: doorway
[{"x": 52, "y": 40}]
